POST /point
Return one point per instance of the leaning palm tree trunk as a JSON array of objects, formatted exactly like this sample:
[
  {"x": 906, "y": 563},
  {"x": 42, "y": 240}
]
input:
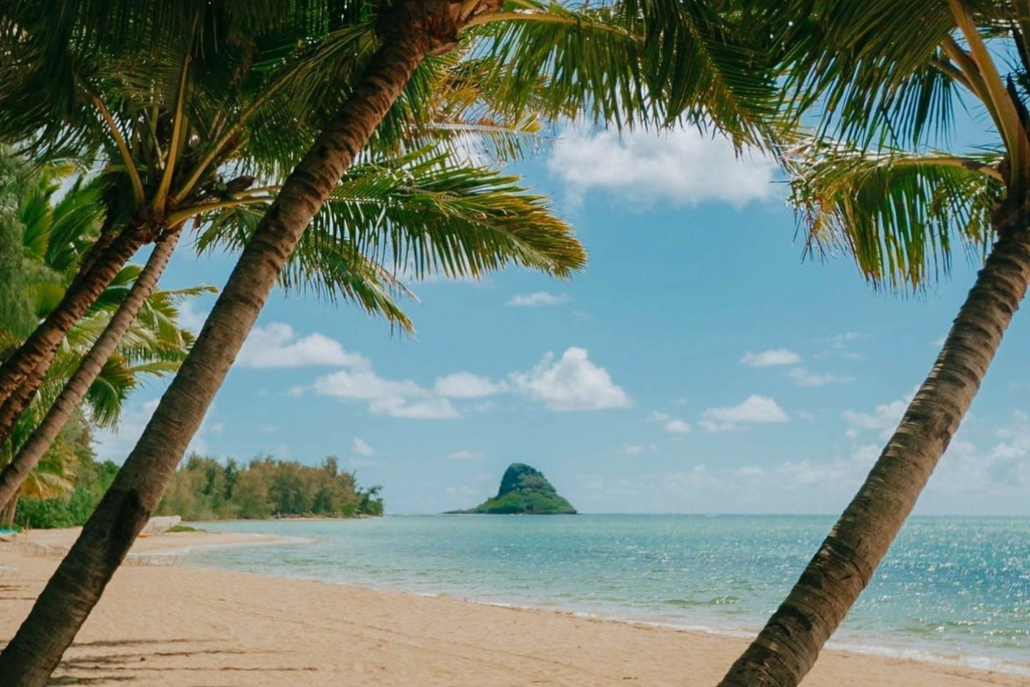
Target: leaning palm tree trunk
[
  {"x": 23, "y": 372},
  {"x": 15, "y": 472},
  {"x": 787, "y": 647},
  {"x": 37, "y": 647}
]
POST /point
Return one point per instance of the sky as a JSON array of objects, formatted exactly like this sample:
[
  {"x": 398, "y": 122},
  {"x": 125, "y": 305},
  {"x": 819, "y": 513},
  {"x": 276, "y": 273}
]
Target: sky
[{"x": 697, "y": 365}]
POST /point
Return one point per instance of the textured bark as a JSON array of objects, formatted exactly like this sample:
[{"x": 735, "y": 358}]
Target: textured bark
[
  {"x": 19, "y": 401},
  {"x": 36, "y": 353},
  {"x": 9, "y": 512},
  {"x": 788, "y": 646},
  {"x": 15, "y": 472},
  {"x": 79, "y": 581}
]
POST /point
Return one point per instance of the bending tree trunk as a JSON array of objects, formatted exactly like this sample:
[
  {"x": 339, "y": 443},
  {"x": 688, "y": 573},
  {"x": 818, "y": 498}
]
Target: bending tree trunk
[
  {"x": 8, "y": 513},
  {"x": 786, "y": 649},
  {"x": 79, "y": 581},
  {"x": 31, "y": 361},
  {"x": 22, "y": 397},
  {"x": 15, "y": 472}
]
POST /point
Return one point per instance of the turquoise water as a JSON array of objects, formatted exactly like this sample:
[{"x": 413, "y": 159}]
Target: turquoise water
[{"x": 954, "y": 590}]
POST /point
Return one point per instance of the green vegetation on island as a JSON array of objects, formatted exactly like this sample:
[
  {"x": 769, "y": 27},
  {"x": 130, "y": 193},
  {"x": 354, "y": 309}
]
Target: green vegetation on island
[
  {"x": 524, "y": 490},
  {"x": 208, "y": 489}
]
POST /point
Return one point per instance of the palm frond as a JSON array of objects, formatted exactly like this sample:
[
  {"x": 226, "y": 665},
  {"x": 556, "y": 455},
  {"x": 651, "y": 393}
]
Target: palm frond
[
  {"x": 897, "y": 214},
  {"x": 875, "y": 76}
]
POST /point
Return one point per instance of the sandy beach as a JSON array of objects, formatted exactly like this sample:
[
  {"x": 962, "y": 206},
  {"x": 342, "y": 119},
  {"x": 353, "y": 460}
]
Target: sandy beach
[{"x": 177, "y": 626}]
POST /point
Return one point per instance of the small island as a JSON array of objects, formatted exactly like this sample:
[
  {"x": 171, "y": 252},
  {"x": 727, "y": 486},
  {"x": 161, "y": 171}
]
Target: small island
[{"x": 524, "y": 491}]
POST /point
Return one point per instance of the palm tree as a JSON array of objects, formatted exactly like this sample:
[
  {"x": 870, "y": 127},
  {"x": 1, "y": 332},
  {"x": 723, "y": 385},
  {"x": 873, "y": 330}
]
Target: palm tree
[
  {"x": 870, "y": 184},
  {"x": 51, "y": 239},
  {"x": 229, "y": 98},
  {"x": 594, "y": 57},
  {"x": 215, "y": 96},
  {"x": 152, "y": 346},
  {"x": 77, "y": 387}
]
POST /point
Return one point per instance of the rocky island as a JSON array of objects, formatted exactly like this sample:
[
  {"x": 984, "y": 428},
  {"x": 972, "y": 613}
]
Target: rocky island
[{"x": 524, "y": 490}]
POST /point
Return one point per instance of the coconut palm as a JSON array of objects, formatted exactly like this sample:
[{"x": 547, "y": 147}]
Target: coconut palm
[
  {"x": 153, "y": 346},
  {"x": 186, "y": 129},
  {"x": 870, "y": 184},
  {"x": 49, "y": 242},
  {"x": 600, "y": 57}
]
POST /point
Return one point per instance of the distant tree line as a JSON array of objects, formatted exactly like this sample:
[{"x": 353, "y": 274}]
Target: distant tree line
[{"x": 207, "y": 489}]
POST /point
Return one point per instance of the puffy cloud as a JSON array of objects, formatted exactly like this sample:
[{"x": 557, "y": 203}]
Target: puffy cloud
[
  {"x": 428, "y": 409},
  {"x": 361, "y": 447},
  {"x": 277, "y": 345},
  {"x": 397, "y": 398},
  {"x": 676, "y": 426},
  {"x": 571, "y": 383},
  {"x": 683, "y": 167},
  {"x": 538, "y": 299},
  {"x": 756, "y": 409},
  {"x": 770, "y": 358},
  {"x": 467, "y": 385},
  {"x": 884, "y": 418}
]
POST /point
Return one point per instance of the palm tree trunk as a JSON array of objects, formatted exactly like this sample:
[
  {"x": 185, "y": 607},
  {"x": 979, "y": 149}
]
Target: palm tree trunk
[
  {"x": 9, "y": 512},
  {"x": 79, "y": 581},
  {"x": 787, "y": 647},
  {"x": 22, "y": 397},
  {"x": 21, "y": 374},
  {"x": 15, "y": 472}
]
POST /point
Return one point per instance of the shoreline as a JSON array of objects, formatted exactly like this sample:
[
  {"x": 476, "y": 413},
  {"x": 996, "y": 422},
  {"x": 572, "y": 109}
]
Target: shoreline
[
  {"x": 866, "y": 646},
  {"x": 426, "y": 635}
]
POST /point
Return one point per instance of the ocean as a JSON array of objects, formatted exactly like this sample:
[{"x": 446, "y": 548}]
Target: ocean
[{"x": 953, "y": 590}]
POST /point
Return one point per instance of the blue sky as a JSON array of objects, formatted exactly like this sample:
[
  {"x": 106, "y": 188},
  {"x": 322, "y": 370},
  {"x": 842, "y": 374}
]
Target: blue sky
[{"x": 698, "y": 364}]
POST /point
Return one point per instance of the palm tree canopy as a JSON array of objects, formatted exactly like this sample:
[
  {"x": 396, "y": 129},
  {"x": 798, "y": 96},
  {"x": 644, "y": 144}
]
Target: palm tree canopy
[
  {"x": 874, "y": 176},
  {"x": 49, "y": 237},
  {"x": 226, "y": 95}
]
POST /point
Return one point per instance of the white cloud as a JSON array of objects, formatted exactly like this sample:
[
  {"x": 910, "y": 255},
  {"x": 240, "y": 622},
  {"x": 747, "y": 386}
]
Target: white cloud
[
  {"x": 683, "y": 167},
  {"x": 396, "y": 398},
  {"x": 676, "y": 426},
  {"x": 803, "y": 377},
  {"x": 361, "y": 447},
  {"x": 428, "y": 409},
  {"x": 467, "y": 385},
  {"x": 884, "y": 418},
  {"x": 190, "y": 318},
  {"x": 774, "y": 356},
  {"x": 571, "y": 383},
  {"x": 540, "y": 298},
  {"x": 756, "y": 409},
  {"x": 636, "y": 449},
  {"x": 467, "y": 455},
  {"x": 277, "y": 345},
  {"x": 866, "y": 454}
]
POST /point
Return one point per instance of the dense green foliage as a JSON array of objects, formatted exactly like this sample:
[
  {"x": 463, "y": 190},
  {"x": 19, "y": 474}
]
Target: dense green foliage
[
  {"x": 88, "y": 480},
  {"x": 206, "y": 489},
  {"x": 525, "y": 490}
]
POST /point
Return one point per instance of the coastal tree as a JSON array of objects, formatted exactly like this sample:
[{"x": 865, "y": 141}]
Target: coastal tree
[
  {"x": 197, "y": 115},
  {"x": 886, "y": 76},
  {"x": 598, "y": 57}
]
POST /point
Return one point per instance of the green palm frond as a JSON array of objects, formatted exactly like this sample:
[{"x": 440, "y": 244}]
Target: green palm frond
[
  {"x": 898, "y": 214},
  {"x": 420, "y": 215},
  {"x": 629, "y": 62},
  {"x": 874, "y": 75}
]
